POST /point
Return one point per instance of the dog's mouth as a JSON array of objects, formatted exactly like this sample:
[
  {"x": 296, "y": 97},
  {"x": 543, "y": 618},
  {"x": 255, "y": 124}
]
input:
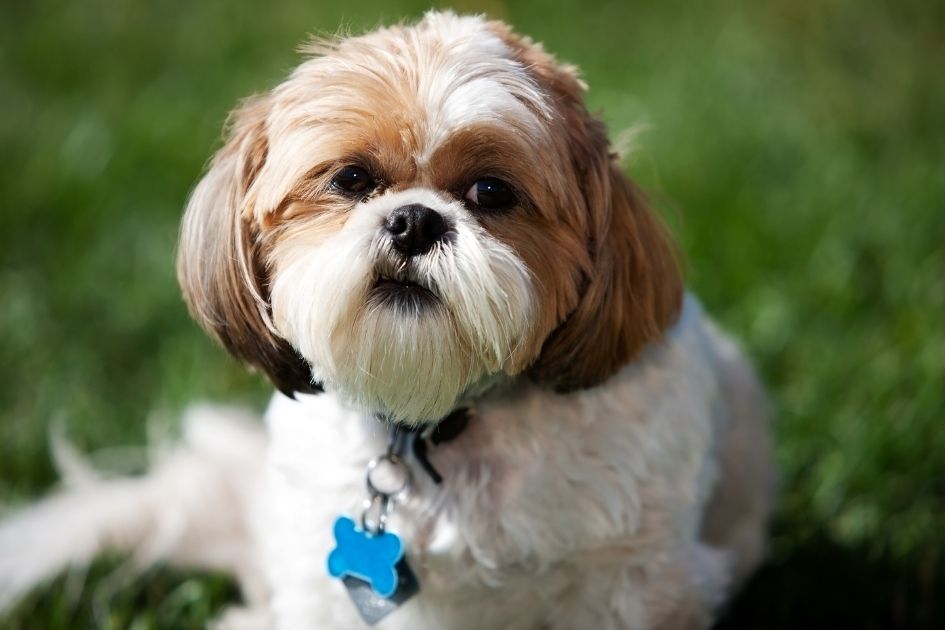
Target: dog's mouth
[{"x": 397, "y": 291}]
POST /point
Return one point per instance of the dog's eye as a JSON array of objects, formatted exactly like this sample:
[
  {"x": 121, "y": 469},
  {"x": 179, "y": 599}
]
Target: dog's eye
[
  {"x": 491, "y": 193},
  {"x": 353, "y": 180}
]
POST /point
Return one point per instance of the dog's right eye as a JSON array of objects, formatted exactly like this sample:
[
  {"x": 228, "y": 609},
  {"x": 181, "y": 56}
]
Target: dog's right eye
[{"x": 353, "y": 180}]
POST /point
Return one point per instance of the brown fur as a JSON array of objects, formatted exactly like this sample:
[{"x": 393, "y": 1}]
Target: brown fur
[
  {"x": 633, "y": 290},
  {"x": 218, "y": 264}
]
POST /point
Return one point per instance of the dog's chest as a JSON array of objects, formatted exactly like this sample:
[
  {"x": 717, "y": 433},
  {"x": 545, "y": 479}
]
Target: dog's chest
[{"x": 536, "y": 480}]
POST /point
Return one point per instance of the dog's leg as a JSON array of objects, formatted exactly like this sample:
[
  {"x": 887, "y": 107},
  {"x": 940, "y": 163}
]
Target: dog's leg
[
  {"x": 678, "y": 590},
  {"x": 191, "y": 509},
  {"x": 737, "y": 514}
]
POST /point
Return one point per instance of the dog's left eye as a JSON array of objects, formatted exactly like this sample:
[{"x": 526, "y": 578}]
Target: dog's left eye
[
  {"x": 491, "y": 193},
  {"x": 353, "y": 180}
]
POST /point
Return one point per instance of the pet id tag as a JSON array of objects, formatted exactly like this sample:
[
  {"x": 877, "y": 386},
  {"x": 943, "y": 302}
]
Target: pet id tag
[{"x": 368, "y": 559}]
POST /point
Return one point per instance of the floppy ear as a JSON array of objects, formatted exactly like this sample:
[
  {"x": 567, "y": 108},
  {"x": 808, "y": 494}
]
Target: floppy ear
[
  {"x": 631, "y": 296},
  {"x": 633, "y": 289},
  {"x": 218, "y": 262}
]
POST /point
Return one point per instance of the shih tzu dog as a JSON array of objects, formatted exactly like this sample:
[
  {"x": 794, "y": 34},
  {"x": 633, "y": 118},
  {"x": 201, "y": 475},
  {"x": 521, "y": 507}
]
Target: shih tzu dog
[{"x": 498, "y": 407}]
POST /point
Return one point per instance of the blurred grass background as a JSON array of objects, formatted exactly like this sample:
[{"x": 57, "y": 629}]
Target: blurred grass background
[{"x": 797, "y": 148}]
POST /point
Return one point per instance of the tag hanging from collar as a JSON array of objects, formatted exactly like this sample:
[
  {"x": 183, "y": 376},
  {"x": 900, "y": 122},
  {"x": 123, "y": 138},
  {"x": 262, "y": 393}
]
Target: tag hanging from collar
[{"x": 367, "y": 558}]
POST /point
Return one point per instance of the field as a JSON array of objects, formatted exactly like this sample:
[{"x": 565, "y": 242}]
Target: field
[{"x": 797, "y": 149}]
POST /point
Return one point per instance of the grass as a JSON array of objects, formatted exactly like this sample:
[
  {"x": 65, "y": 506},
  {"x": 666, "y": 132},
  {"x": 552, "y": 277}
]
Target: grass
[{"x": 798, "y": 150}]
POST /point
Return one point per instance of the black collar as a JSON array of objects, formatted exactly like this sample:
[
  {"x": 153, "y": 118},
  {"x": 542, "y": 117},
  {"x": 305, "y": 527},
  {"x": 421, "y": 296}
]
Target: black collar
[{"x": 423, "y": 437}]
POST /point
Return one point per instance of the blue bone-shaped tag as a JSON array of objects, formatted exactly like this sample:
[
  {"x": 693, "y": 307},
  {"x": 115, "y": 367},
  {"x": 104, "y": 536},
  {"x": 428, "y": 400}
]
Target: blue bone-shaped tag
[{"x": 370, "y": 558}]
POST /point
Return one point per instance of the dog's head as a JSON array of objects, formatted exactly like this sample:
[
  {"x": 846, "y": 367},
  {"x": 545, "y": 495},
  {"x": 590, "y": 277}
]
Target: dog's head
[{"x": 419, "y": 211}]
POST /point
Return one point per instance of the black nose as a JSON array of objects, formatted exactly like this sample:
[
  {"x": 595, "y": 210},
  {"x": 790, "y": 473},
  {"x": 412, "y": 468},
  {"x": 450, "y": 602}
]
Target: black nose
[{"x": 414, "y": 229}]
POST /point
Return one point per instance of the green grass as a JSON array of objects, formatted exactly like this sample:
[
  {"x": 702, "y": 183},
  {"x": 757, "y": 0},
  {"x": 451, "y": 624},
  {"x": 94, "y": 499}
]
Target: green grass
[{"x": 798, "y": 150}]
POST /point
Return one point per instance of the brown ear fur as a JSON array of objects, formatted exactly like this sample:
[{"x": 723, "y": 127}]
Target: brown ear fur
[
  {"x": 218, "y": 265},
  {"x": 632, "y": 296},
  {"x": 634, "y": 291}
]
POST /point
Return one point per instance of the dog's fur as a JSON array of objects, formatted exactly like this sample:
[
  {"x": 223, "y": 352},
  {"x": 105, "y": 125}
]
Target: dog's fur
[{"x": 616, "y": 472}]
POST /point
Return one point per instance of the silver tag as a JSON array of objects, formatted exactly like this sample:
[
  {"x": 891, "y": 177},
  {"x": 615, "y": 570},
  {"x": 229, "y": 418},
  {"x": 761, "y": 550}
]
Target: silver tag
[{"x": 371, "y": 606}]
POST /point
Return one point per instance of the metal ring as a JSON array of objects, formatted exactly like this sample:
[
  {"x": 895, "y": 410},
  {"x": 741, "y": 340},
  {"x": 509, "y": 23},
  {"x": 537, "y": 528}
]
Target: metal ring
[
  {"x": 397, "y": 494},
  {"x": 383, "y": 509}
]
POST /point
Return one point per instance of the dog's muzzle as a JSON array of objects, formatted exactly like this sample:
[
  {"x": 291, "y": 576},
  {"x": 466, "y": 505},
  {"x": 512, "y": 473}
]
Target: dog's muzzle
[{"x": 413, "y": 231}]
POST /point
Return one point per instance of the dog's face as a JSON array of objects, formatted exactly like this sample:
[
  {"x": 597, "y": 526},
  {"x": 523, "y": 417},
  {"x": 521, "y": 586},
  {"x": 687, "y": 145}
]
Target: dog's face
[{"x": 417, "y": 212}]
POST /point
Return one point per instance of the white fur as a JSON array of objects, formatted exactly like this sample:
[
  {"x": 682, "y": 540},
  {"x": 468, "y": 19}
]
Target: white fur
[
  {"x": 193, "y": 508},
  {"x": 556, "y": 511},
  {"x": 583, "y": 510},
  {"x": 373, "y": 353}
]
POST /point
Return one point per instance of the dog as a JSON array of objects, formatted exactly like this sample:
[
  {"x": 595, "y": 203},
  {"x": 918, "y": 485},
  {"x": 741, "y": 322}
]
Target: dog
[{"x": 497, "y": 405}]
